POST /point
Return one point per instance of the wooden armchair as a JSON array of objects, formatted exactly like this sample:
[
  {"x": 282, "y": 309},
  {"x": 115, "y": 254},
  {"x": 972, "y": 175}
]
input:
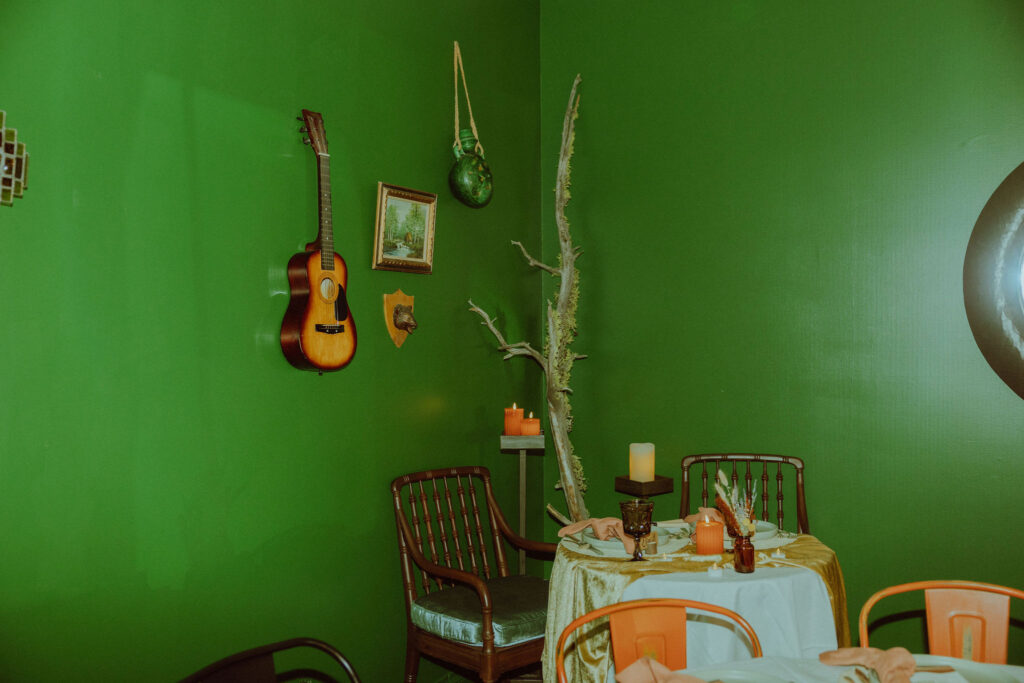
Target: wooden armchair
[
  {"x": 745, "y": 466},
  {"x": 463, "y": 605}
]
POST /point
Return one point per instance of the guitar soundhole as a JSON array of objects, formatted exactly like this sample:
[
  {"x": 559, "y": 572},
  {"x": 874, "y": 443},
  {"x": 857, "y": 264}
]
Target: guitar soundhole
[{"x": 328, "y": 290}]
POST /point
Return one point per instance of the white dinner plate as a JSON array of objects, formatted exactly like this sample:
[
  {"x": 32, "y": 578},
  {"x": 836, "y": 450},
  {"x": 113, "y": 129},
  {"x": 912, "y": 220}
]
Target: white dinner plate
[
  {"x": 973, "y": 672},
  {"x": 734, "y": 676},
  {"x": 606, "y": 544},
  {"x": 668, "y": 542},
  {"x": 762, "y": 530},
  {"x": 675, "y": 524},
  {"x": 671, "y": 531}
]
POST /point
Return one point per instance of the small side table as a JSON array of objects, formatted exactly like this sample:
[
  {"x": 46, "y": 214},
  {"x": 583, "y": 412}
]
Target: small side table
[{"x": 533, "y": 443}]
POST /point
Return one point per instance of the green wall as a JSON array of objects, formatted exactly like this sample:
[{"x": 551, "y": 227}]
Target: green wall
[
  {"x": 171, "y": 489},
  {"x": 774, "y": 205},
  {"x": 774, "y": 200}
]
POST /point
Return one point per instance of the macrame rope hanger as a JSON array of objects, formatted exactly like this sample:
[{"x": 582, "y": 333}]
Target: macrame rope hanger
[{"x": 472, "y": 123}]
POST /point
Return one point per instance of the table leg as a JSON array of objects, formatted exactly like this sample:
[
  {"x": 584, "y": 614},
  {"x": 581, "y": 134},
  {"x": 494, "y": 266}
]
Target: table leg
[{"x": 522, "y": 508}]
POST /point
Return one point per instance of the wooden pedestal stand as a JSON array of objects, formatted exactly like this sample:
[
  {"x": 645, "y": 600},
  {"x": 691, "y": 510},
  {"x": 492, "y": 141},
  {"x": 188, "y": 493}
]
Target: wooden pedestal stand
[
  {"x": 524, "y": 445},
  {"x": 643, "y": 489}
]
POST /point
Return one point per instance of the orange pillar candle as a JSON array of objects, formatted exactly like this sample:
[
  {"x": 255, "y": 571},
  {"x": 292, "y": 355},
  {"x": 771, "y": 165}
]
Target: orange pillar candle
[
  {"x": 641, "y": 461},
  {"x": 710, "y": 537},
  {"x": 513, "y": 421},
  {"x": 530, "y": 425}
]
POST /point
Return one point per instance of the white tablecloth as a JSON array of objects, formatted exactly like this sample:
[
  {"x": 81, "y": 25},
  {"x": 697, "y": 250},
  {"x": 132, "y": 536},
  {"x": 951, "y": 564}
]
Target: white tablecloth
[
  {"x": 812, "y": 671},
  {"x": 788, "y": 608}
]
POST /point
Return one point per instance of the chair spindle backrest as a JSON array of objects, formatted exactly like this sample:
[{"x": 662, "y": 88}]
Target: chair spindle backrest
[
  {"x": 744, "y": 466},
  {"x": 448, "y": 517}
]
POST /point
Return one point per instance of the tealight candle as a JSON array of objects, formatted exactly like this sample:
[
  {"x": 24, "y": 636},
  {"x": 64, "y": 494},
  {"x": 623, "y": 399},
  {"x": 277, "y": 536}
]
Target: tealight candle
[
  {"x": 710, "y": 537},
  {"x": 650, "y": 543},
  {"x": 641, "y": 462},
  {"x": 530, "y": 425},
  {"x": 513, "y": 421}
]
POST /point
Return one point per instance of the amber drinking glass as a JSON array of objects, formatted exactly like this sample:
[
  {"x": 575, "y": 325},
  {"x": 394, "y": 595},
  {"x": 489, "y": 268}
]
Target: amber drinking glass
[{"x": 636, "y": 521}]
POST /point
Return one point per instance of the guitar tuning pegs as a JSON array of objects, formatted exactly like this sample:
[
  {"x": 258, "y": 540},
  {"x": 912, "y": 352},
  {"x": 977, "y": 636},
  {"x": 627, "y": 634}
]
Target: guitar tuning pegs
[
  {"x": 305, "y": 141},
  {"x": 302, "y": 130},
  {"x": 298, "y": 118}
]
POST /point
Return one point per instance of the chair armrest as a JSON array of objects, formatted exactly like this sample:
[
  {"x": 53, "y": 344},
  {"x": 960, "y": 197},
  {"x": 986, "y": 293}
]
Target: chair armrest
[{"x": 530, "y": 546}]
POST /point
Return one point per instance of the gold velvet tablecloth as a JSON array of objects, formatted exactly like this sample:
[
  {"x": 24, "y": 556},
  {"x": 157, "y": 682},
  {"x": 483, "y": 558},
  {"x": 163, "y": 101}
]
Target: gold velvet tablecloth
[{"x": 581, "y": 583}]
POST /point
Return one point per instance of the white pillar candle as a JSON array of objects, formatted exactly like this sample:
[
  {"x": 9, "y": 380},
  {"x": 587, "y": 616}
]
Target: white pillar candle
[{"x": 641, "y": 461}]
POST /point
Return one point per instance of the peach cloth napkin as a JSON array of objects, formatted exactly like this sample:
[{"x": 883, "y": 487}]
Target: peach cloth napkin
[
  {"x": 605, "y": 528},
  {"x": 895, "y": 665},
  {"x": 711, "y": 513},
  {"x": 647, "y": 670}
]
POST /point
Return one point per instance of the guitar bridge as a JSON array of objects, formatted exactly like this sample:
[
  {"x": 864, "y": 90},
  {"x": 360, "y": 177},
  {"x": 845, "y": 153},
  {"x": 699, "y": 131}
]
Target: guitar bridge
[{"x": 330, "y": 329}]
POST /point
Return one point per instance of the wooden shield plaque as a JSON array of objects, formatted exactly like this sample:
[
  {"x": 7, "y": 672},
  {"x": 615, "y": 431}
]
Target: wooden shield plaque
[{"x": 391, "y": 301}]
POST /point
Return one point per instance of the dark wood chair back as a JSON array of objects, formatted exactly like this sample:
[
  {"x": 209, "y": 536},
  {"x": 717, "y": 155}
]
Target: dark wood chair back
[
  {"x": 449, "y": 518},
  {"x": 749, "y": 468},
  {"x": 257, "y": 665},
  {"x": 452, "y": 536}
]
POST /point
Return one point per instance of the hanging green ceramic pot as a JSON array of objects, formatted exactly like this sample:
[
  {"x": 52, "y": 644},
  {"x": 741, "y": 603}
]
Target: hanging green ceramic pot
[{"x": 470, "y": 178}]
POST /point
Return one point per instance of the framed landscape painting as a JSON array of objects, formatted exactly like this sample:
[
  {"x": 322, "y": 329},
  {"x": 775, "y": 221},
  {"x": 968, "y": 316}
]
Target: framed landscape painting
[{"x": 404, "y": 234}]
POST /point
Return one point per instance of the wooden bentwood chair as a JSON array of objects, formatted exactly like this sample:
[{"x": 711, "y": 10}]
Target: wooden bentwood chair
[
  {"x": 257, "y": 665},
  {"x": 655, "y": 628},
  {"x": 463, "y": 605},
  {"x": 966, "y": 619},
  {"x": 744, "y": 466}
]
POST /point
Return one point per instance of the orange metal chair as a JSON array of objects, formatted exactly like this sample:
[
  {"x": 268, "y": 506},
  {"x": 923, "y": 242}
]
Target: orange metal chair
[
  {"x": 654, "y": 628},
  {"x": 966, "y": 619}
]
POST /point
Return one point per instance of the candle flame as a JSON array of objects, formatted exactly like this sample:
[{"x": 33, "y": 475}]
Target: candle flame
[
  {"x": 706, "y": 520},
  {"x": 513, "y": 405},
  {"x": 531, "y": 414}
]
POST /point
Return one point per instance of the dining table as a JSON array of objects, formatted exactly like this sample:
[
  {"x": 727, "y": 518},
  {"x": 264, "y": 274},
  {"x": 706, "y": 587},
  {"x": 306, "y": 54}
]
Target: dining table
[
  {"x": 795, "y": 599},
  {"x": 932, "y": 669}
]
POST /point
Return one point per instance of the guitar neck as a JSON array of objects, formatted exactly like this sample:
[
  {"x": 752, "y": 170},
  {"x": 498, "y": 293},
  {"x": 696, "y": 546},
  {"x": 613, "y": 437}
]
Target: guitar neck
[{"x": 325, "y": 238}]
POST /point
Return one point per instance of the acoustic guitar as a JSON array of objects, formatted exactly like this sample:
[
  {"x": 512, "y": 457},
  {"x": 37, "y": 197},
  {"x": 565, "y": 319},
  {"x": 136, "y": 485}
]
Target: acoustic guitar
[{"x": 318, "y": 332}]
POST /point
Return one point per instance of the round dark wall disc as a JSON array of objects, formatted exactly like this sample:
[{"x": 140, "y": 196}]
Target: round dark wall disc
[{"x": 993, "y": 279}]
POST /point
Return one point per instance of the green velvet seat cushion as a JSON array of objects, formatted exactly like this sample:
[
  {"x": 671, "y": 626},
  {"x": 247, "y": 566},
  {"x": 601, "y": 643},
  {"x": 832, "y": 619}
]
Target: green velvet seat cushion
[{"x": 520, "y": 609}]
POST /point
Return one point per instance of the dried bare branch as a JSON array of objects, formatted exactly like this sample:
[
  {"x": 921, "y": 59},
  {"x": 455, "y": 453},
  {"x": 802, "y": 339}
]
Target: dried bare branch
[
  {"x": 559, "y": 517},
  {"x": 517, "y": 349},
  {"x": 561, "y": 327},
  {"x": 534, "y": 262},
  {"x": 558, "y": 358}
]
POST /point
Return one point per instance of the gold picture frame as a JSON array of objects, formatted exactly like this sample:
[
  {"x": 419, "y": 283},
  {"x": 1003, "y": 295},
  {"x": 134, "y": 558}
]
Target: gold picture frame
[{"x": 403, "y": 237}]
